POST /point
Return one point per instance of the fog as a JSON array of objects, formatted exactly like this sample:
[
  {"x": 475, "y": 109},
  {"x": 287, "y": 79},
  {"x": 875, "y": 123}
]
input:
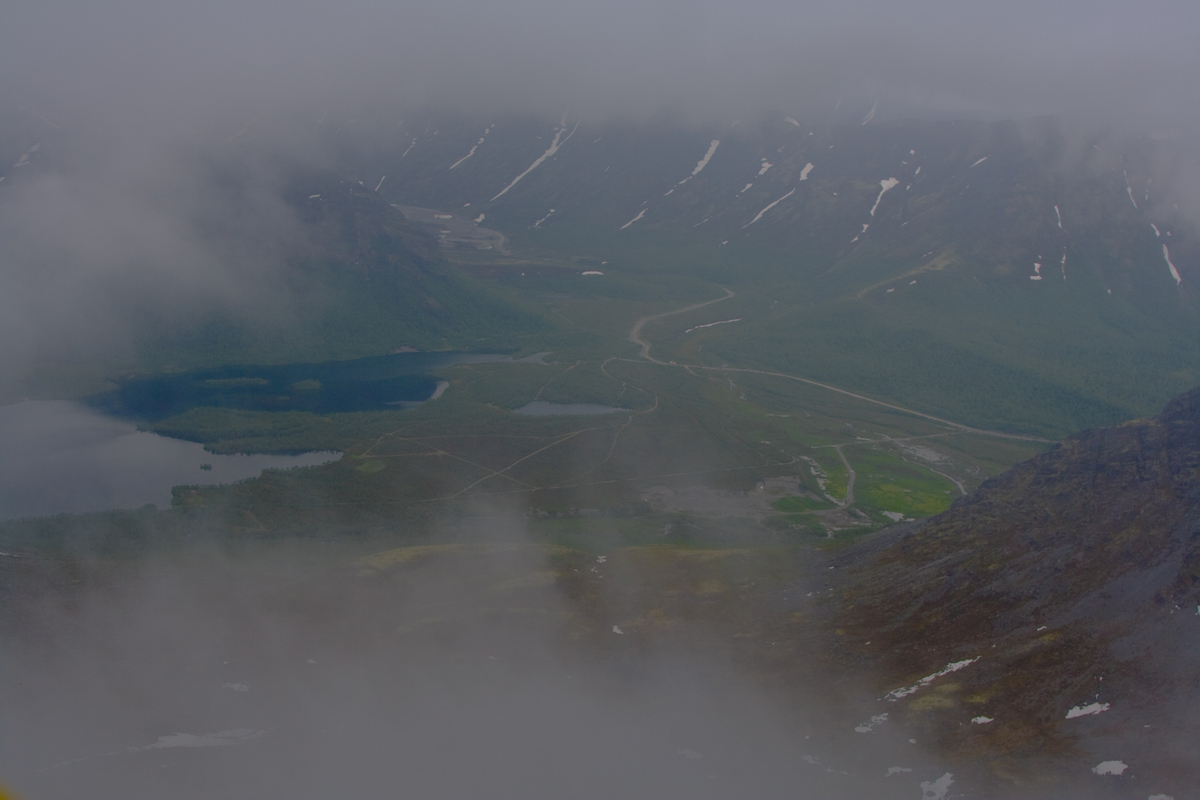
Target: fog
[
  {"x": 282, "y": 673},
  {"x": 128, "y": 221},
  {"x": 149, "y": 71},
  {"x": 470, "y": 670}
]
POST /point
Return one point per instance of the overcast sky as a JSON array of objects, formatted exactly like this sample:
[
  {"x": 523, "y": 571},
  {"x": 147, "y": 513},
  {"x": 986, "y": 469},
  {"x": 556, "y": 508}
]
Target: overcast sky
[{"x": 202, "y": 64}]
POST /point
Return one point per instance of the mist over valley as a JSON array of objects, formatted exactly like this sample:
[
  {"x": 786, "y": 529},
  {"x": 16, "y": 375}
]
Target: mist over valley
[{"x": 548, "y": 400}]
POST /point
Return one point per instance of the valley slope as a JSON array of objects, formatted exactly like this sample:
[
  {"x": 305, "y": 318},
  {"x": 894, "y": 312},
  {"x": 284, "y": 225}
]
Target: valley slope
[
  {"x": 1002, "y": 274},
  {"x": 1068, "y": 589}
]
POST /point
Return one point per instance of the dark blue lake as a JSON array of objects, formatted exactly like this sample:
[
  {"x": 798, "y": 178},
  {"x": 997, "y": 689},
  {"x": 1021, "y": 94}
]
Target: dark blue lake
[{"x": 363, "y": 384}]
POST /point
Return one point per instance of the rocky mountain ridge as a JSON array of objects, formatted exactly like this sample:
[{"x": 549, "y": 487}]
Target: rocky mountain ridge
[{"x": 1068, "y": 592}]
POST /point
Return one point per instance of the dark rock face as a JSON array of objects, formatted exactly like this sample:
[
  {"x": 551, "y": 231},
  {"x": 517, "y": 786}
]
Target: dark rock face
[{"x": 1075, "y": 579}]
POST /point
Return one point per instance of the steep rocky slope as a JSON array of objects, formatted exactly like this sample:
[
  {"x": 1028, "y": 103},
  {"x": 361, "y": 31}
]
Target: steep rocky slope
[{"x": 1064, "y": 595}]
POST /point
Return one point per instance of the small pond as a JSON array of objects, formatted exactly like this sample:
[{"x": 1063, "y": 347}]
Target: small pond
[
  {"x": 540, "y": 408},
  {"x": 57, "y": 456}
]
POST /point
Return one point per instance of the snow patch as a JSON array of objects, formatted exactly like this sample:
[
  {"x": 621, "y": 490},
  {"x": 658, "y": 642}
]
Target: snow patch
[
  {"x": 1170, "y": 266},
  {"x": 712, "y": 148},
  {"x": 1088, "y": 710},
  {"x": 918, "y": 172},
  {"x": 871, "y": 114},
  {"x": 313, "y": 196},
  {"x": 381, "y": 180},
  {"x": 867, "y": 727},
  {"x": 479, "y": 219},
  {"x": 789, "y": 119},
  {"x": 936, "y": 790},
  {"x": 897, "y": 770},
  {"x": 977, "y": 163},
  {"x": 766, "y": 165},
  {"x": 1129, "y": 188},
  {"x": 1156, "y": 233},
  {"x": 804, "y": 172},
  {"x": 470, "y": 153},
  {"x": 748, "y": 185},
  {"x": 538, "y": 224},
  {"x": 554, "y": 145},
  {"x": 894, "y": 516},
  {"x": 887, "y": 183},
  {"x": 981, "y": 720},
  {"x": 1110, "y": 768},
  {"x": 475, "y": 147},
  {"x": 410, "y": 147},
  {"x": 710, "y": 324},
  {"x": 954, "y": 666},
  {"x": 594, "y": 272},
  {"x": 617, "y": 629},
  {"x": 640, "y": 214},
  {"x": 1059, "y": 216},
  {"x": 758, "y": 216}
]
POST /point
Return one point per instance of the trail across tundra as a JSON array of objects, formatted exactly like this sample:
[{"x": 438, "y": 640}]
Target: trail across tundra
[{"x": 635, "y": 336}]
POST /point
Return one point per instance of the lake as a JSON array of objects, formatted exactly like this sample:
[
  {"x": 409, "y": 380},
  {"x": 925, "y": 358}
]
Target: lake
[
  {"x": 361, "y": 384},
  {"x": 58, "y": 456}
]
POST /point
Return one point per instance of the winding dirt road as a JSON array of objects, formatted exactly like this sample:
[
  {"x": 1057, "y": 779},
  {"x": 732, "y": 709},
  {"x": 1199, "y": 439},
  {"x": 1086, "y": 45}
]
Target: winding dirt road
[{"x": 635, "y": 335}]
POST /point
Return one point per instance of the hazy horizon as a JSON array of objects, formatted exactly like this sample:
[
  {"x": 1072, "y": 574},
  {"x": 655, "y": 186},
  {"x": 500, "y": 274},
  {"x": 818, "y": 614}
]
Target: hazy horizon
[{"x": 137, "y": 95}]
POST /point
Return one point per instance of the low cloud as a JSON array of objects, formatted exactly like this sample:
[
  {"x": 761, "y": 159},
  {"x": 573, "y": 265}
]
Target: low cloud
[
  {"x": 135, "y": 95},
  {"x": 459, "y": 671},
  {"x": 206, "y": 71}
]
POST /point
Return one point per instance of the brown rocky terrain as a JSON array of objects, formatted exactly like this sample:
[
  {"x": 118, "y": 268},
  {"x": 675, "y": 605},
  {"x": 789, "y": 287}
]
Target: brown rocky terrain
[{"x": 1072, "y": 585}]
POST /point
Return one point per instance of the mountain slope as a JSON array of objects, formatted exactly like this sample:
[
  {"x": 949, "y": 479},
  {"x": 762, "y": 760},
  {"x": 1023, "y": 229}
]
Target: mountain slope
[
  {"x": 357, "y": 279},
  {"x": 1073, "y": 582},
  {"x": 999, "y": 273}
]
